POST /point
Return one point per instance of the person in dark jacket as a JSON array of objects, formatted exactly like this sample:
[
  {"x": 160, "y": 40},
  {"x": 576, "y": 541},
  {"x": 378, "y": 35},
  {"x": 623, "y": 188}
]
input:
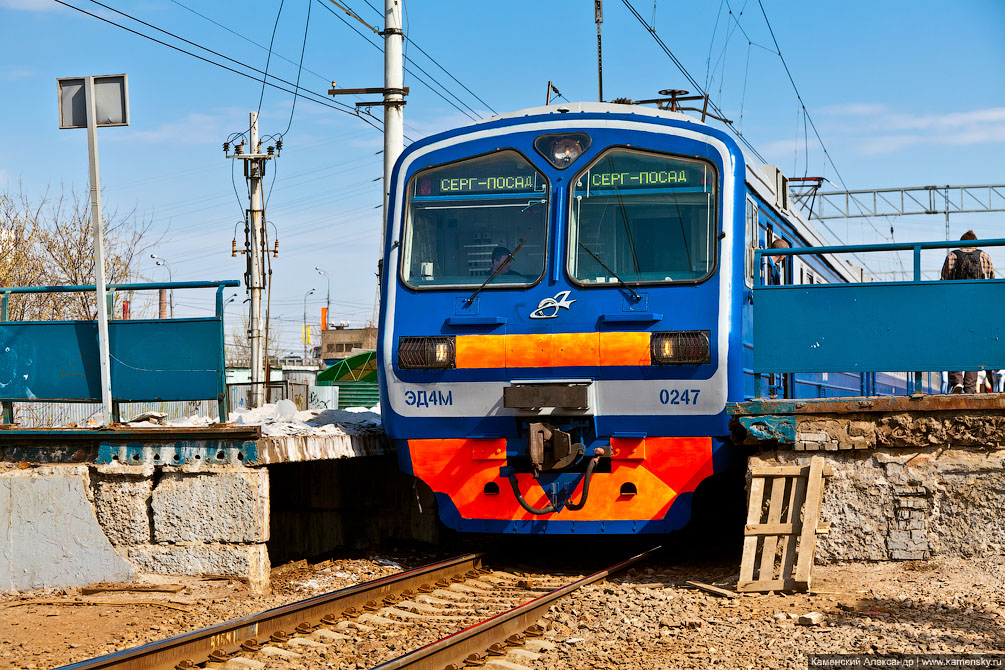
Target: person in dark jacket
[
  {"x": 777, "y": 264},
  {"x": 966, "y": 263}
]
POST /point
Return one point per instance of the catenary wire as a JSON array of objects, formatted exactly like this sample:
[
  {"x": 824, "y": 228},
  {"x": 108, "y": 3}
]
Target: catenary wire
[
  {"x": 471, "y": 114},
  {"x": 445, "y": 70},
  {"x": 268, "y": 58},
  {"x": 343, "y": 108},
  {"x": 296, "y": 87},
  {"x": 691, "y": 79}
]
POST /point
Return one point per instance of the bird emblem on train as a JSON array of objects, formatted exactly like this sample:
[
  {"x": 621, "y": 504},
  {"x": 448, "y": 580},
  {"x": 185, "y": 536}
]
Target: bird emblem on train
[{"x": 549, "y": 308}]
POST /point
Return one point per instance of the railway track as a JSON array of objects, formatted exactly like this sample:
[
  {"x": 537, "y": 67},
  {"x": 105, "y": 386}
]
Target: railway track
[{"x": 445, "y": 615}]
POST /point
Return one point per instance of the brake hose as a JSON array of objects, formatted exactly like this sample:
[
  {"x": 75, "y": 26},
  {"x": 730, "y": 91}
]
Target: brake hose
[
  {"x": 586, "y": 485},
  {"x": 550, "y": 508}
]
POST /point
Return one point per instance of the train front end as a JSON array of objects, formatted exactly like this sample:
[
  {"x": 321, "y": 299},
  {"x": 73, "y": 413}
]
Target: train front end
[{"x": 558, "y": 334}]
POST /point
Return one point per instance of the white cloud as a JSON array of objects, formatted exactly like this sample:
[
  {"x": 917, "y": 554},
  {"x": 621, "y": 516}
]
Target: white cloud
[
  {"x": 854, "y": 109},
  {"x": 29, "y": 5},
  {"x": 194, "y": 129},
  {"x": 15, "y": 73},
  {"x": 876, "y": 129}
]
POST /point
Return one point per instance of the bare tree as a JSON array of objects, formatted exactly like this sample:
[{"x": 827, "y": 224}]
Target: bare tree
[
  {"x": 239, "y": 351},
  {"x": 48, "y": 241}
]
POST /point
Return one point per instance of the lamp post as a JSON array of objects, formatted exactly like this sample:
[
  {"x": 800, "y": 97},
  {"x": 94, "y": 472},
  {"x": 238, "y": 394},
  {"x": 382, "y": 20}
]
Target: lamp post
[
  {"x": 328, "y": 296},
  {"x": 227, "y": 302},
  {"x": 161, "y": 262},
  {"x": 306, "y": 295}
]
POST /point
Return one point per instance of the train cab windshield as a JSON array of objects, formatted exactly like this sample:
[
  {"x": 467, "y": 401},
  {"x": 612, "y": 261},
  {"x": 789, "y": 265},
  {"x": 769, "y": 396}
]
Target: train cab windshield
[
  {"x": 643, "y": 217},
  {"x": 463, "y": 220}
]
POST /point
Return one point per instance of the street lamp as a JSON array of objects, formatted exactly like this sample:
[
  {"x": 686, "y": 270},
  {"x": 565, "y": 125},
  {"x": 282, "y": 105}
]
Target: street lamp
[
  {"x": 161, "y": 262},
  {"x": 309, "y": 293},
  {"x": 328, "y": 298},
  {"x": 227, "y": 302}
]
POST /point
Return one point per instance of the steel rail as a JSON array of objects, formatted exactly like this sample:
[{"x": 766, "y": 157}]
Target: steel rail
[
  {"x": 453, "y": 650},
  {"x": 228, "y": 636}
]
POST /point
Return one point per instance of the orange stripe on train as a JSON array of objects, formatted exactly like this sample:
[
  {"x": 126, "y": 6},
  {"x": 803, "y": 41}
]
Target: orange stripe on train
[
  {"x": 661, "y": 468},
  {"x": 551, "y": 350}
]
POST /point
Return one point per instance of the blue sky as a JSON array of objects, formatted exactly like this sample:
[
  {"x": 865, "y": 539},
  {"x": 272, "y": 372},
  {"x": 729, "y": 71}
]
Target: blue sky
[{"x": 902, "y": 93}]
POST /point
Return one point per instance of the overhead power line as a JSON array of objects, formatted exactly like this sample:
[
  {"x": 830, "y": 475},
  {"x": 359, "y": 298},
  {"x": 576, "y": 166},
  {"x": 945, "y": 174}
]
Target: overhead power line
[
  {"x": 249, "y": 41},
  {"x": 317, "y": 100},
  {"x": 691, "y": 79},
  {"x": 809, "y": 118},
  {"x": 268, "y": 58},
  {"x": 445, "y": 70},
  {"x": 300, "y": 67},
  {"x": 470, "y": 113}
]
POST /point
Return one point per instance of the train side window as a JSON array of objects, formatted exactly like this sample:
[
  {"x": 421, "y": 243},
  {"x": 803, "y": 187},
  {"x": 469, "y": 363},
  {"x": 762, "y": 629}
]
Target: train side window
[{"x": 751, "y": 237}]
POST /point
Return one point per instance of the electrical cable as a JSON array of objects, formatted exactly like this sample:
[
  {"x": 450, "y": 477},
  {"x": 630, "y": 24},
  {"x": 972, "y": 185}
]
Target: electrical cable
[
  {"x": 246, "y": 39},
  {"x": 343, "y": 108},
  {"x": 680, "y": 66},
  {"x": 476, "y": 116},
  {"x": 711, "y": 43},
  {"x": 240, "y": 203},
  {"x": 808, "y": 117},
  {"x": 355, "y": 16},
  {"x": 267, "y": 58},
  {"x": 435, "y": 62},
  {"x": 296, "y": 86}
]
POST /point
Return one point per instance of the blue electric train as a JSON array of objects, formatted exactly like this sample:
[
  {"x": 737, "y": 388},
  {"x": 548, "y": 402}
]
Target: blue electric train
[{"x": 566, "y": 310}]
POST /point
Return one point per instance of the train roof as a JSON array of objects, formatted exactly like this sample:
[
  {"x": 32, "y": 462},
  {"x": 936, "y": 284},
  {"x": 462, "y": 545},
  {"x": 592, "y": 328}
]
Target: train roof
[{"x": 763, "y": 179}]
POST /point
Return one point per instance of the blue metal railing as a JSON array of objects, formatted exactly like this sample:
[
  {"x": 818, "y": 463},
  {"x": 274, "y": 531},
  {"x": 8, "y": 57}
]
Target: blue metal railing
[
  {"x": 151, "y": 359},
  {"x": 877, "y": 326}
]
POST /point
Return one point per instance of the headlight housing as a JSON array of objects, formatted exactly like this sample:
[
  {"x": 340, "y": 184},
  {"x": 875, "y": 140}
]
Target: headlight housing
[
  {"x": 680, "y": 347},
  {"x": 426, "y": 353}
]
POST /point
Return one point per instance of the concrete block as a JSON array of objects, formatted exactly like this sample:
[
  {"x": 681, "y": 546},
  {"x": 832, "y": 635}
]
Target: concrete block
[
  {"x": 812, "y": 437},
  {"x": 908, "y": 555},
  {"x": 250, "y": 561},
  {"x": 219, "y": 505},
  {"x": 52, "y": 538},
  {"x": 241, "y": 663},
  {"x": 279, "y": 652},
  {"x": 122, "y": 505},
  {"x": 899, "y": 535},
  {"x": 305, "y": 643}
]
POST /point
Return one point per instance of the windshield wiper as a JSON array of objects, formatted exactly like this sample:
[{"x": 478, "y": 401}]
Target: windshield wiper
[
  {"x": 621, "y": 282},
  {"x": 492, "y": 276}
]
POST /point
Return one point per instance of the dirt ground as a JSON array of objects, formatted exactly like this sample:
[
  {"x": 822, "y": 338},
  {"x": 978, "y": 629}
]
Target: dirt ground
[
  {"x": 651, "y": 619},
  {"x": 644, "y": 619},
  {"x": 49, "y": 628}
]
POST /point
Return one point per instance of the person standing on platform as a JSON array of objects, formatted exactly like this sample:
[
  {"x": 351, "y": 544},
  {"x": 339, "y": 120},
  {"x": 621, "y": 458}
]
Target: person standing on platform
[
  {"x": 966, "y": 263},
  {"x": 777, "y": 264}
]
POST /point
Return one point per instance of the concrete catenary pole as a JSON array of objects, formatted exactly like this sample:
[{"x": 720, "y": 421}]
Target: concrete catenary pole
[
  {"x": 254, "y": 167},
  {"x": 99, "y": 253},
  {"x": 394, "y": 99}
]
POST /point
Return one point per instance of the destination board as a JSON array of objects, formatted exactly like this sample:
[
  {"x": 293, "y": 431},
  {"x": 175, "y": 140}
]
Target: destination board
[
  {"x": 464, "y": 184},
  {"x": 633, "y": 179}
]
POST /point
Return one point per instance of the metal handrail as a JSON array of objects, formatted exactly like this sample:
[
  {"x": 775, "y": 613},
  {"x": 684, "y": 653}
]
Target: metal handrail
[
  {"x": 7, "y": 291},
  {"x": 863, "y": 248},
  {"x": 149, "y": 286}
]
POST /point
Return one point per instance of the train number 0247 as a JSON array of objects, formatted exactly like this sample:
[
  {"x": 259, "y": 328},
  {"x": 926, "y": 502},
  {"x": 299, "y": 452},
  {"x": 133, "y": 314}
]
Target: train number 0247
[{"x": 679, "y": 397}]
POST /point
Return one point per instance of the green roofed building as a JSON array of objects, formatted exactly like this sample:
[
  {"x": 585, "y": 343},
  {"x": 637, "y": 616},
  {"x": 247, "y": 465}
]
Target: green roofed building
[{"x": 356, "y": 379}]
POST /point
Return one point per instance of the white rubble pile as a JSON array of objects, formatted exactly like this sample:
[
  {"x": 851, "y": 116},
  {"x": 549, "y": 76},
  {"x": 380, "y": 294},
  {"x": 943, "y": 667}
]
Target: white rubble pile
[{"x": 283, "y": 418}]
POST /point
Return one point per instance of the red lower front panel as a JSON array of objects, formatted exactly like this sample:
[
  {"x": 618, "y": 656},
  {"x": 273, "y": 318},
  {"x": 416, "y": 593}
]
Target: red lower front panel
[{"x": 661, "y": 468}]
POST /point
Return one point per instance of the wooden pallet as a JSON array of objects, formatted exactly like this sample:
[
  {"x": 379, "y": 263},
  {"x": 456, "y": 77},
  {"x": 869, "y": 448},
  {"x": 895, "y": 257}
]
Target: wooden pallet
[{"x": 780, "y": 535}]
